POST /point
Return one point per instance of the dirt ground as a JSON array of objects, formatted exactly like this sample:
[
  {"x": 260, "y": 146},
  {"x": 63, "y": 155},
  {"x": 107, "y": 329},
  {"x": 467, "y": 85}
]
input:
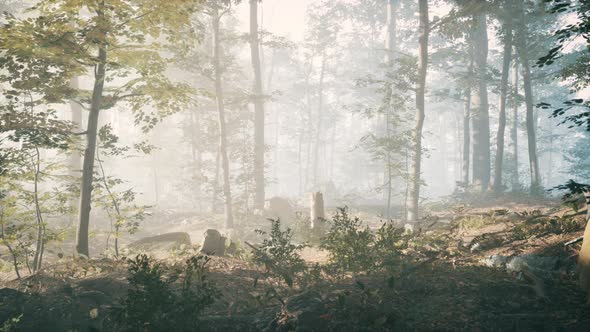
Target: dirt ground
[{"x": 448, "y": 287}]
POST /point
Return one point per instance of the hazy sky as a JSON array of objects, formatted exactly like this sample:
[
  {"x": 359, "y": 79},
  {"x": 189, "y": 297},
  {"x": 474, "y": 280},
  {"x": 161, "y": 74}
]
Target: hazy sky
[{"x": 281, "y": 17}]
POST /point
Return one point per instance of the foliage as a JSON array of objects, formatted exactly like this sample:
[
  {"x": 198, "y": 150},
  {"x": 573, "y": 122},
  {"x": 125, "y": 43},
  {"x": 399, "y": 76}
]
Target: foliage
[
  {"x": 10, "y": 324},
  {"x": 355, "y": 248},
  {"x": 278, "y": 254},
  {"x": 474, "y": 222},
  {"x": 119, "y": 204},
  {"x": 348, "y": 243},
  {"x": 156, "y": 303},
  {"x": 363, "y": 309},
  {"x": 560, "y": 225}
]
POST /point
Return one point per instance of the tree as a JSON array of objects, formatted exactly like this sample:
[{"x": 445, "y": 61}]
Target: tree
[
  {"x": 507, "y": 57},
  {"x": 118, "y": 41},
  {"x": 217, "y": 53},
  {"x": 522, "y": 50},
  {"x": 479, "y": 105},
  {"x": 415, "y": 183},
  {"x": 259, "y": 146}
]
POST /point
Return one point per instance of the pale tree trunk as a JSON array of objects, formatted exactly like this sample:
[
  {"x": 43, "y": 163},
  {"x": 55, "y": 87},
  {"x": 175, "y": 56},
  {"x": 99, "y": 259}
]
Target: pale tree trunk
[
  {"x": 90, "y": 152},
  {"x": 497, "y": 185},
  {"x": 317, "y": 214},
  {"x": 515, "y": 177},
  {"x": 75, "y": 166},
  {"x": 521, "y": 48},
  {"x": 466, "y": 165},
  {"x": 258, "y": 108},
  {"x": 415, "y": 168},
  {"x": 229, "y": 219},
  {"x": 308, "y": 125},
  {"x": 390, "y": 45},
  {"x": 319, "y": 122},
  {"x": 216, "y": 190},
  {"x": 197, "y": 157},
  {"x": 479, "y": 107}
]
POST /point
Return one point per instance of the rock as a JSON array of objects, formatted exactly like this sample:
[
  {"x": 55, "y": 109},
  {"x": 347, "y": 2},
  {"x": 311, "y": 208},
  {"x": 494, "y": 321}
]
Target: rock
[
  {"x": 280, "y": 208},
  {"x": 540, "y": 265},
  {"x": 214, "y": 243},
  {"x": 167, "y": 241}
]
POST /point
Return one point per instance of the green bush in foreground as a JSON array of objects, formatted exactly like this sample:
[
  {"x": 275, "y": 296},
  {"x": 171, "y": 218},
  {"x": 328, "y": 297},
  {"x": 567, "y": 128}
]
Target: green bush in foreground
[{"x": 160, "y": 301}]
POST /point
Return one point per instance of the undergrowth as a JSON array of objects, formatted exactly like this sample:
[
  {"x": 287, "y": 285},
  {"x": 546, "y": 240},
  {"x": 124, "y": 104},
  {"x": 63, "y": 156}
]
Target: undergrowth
[{"x": 160, "y": 297}]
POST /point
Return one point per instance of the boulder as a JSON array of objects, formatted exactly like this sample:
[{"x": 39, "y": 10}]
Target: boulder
[
  {"x": 280, "y": 208},
  {"x": 214, "y": 243},
  {"x": 167, "y": 241}
]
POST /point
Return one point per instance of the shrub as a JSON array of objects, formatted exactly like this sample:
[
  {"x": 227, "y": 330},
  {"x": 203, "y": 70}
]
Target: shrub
[
  {"x": 278, "y": 254},
  {"x": 155, "y": 302},
  {"x": 350, "y": 245}
]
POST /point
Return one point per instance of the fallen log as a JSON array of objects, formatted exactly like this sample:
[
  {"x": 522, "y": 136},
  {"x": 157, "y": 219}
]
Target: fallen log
[{"x": 576, "y": 240}]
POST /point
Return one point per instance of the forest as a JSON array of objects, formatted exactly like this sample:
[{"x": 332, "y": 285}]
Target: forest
[{"x": 294, "y": 165}]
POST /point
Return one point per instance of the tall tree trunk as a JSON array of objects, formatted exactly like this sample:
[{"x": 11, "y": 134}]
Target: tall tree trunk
[
  {"x": 75, "y": 165},
  {"x": 415, "y": 170},
  {"x": 89, "y": 153},
  {"x": 466, "y": 164},
  {"x": 229, "y": 218},
  {"x": 479, "y": 107},
  {"x": 319, "y": 122},
  {"x": 258, "y": 108},
  {"x": 521, "y": 48},
  {"x": 497, "y": 185},
  {"x": 91, "y": 133},
  {"x": 216, "y": 189},
  {"x": 515, "y": 177},
  {"x": 390, "y": 45}
]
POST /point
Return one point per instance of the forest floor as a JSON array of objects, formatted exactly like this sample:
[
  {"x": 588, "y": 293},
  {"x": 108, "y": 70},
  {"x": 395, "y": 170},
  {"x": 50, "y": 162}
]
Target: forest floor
[{"x": 461, "y": 276}]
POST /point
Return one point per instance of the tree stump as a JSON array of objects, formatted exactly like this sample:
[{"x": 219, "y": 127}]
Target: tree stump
[{"x": 317, "y": 214}]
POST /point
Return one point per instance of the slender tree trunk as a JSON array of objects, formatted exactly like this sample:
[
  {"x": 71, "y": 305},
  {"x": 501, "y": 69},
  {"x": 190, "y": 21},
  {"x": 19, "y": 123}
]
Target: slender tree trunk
[
  {"x": 390, "y": 46},
  {"x": 40, "y": 247},
  {"x": 229, "y": 219},
  {"x": 521, "y": 48},
  {"x": 89, "y": 153},
  {"x": 197, "y": 158},
  {"x": 515, "y": 177},
  {"x": 319, "y": 123},
  {"x": 258, "y": 109},
  {"x": 75, "y": 164},
  {"x": 467, "y": 125},
  {"x": 479, "y": 107},
  {"x": 216, "y": 189},
  {"x": 415, "y": 168},
  {"x": 497, "y": 185}
]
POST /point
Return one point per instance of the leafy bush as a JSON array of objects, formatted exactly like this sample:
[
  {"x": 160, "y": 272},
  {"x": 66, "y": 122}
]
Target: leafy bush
[
  {"x": 355, "y": 248},
  {"x": 156, "y": 303},
  {"x": 350, "y": 245},
  {"x": 278, "y": 254}
]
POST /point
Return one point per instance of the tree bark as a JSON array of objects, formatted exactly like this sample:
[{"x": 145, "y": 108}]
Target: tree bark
[
  {"x": 479, "y": 107},
  {"x": 89, "y": 153},
  {"x": 390, "y": 45},
  {"x": 319, "y": 123},
  {"x": 415, "y": 170},
  {"x": 467, "y": 125},
  {"x": 497, "y": 185},
  {"x": 515, "y": 177},
  {"x": 229, "y": 219},
  {"x": 258, "y": 108},
  {"x": 521, "y": 48},
  {"x": 317, "y": 214},
  {"x": 75, "y": 166}
]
